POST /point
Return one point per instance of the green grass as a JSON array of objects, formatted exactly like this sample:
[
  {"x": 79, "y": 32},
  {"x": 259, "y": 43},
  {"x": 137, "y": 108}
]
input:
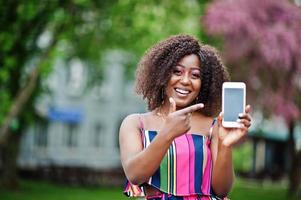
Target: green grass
[
  {"x": 247, "y": 190},
  {"x": 38, "y": 190}
]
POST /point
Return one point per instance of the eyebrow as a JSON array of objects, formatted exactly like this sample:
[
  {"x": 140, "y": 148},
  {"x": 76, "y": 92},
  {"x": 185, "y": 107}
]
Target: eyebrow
[{"x": 193, "y": 68}]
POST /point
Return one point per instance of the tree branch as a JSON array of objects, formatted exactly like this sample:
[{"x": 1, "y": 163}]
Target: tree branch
[{"x": 24, "y": 94}]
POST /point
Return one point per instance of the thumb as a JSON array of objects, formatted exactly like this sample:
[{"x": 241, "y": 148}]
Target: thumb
[{"x": 172, "y": 105}]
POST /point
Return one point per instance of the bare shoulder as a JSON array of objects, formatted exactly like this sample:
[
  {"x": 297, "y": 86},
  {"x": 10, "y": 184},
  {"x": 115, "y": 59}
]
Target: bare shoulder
[
  {"x": 131, "y": 118},
  {"x": 130, "y": 121},
  {"x": 133, "y": 121}
]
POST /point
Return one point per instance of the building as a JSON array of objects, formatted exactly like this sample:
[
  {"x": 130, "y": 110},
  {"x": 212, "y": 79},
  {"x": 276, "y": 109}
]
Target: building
[
  {"x": 79, "y": 126},
  {"x": 271, "y": 157}
]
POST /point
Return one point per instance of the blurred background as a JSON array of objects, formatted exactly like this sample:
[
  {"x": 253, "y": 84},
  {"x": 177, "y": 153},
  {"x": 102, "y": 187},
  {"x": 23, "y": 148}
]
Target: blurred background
[{"x": 66, "y": 83}]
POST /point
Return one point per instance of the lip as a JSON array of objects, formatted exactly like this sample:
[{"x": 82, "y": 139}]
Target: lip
[{"x": 182, "y": 91}]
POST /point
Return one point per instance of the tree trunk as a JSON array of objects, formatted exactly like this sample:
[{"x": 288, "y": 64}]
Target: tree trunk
[
  {"x": 23, "y": 95},
  {"x": 9, "y": 178},
  {"x": 295, "y": 171}
]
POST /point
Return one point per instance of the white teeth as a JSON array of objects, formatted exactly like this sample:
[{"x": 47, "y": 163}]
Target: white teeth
[{"x": 182, "y": 91}]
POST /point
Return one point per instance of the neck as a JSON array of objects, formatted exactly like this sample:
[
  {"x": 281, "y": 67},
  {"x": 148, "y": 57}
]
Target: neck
[
  {"x": 162, "y": 111},
  {"x": 164, "y": 108}
]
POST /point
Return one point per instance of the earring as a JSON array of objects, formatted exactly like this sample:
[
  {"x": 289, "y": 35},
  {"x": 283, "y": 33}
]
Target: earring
[{"x": 197, "y": 99}]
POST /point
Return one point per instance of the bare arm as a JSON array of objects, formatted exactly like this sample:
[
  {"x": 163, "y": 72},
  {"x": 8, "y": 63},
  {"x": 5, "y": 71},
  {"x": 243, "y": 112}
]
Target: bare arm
[
  {"x": 139, "y": 164},
  {"x": 223, "y": 172},
  {"x": 223, "y": 141}
]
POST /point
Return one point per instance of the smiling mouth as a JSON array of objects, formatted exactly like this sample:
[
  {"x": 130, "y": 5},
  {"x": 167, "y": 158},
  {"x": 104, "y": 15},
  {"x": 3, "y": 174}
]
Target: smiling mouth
[{"x": 182, "y": 92}]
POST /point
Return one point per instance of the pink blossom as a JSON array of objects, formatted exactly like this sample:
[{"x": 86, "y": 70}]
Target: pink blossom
[{"x": 263, "y": 38}]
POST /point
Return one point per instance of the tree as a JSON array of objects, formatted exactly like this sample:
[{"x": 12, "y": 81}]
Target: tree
[
  {"x": 25, "y": 60},
  {"x": 72, "y": 28},
  {"x": 136, "y": 25},
  {"x": 262, "y": 44}
]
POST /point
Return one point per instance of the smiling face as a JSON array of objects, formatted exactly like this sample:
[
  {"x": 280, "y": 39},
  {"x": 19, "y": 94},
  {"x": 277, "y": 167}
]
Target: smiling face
[{"x": 185, "y": 82}]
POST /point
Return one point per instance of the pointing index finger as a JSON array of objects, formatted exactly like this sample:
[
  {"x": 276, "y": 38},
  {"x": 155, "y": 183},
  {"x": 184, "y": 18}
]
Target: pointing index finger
[{"x": 191, "y": 109}]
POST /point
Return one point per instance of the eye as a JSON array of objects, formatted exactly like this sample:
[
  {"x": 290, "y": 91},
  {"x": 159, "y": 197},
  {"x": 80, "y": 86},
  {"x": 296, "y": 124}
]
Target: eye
[
  {"x": 196, "y": 74},
  {"x": 177, "y": 71}
]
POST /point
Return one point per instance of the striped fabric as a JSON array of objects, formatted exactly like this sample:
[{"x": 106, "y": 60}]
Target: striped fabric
[
  {"x": 184, "y": 171},
  {"x": 165, "y": 196},
  {"x": 186, "y": 167}
]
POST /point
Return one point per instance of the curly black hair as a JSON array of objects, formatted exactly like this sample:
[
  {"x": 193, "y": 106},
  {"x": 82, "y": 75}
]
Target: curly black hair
[{"x": 155, "y": 69}]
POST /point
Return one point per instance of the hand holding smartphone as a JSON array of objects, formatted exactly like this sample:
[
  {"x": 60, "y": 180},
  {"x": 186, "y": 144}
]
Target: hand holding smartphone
[{"x": 233, "y": 103}]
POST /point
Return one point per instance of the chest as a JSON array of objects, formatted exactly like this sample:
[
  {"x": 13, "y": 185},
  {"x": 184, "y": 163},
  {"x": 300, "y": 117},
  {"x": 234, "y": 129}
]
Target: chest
[{"x": 186, "y": 145}]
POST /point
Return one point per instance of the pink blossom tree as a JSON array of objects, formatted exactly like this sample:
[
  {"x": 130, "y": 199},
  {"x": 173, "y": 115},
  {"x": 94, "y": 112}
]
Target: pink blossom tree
[{"x": 262, "y": 44}]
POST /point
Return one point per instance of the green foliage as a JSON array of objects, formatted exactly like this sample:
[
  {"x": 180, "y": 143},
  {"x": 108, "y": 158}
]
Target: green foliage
[
  {"x": 23, "y": 25},
  {"x": 242, "y": 157},
  {"x": 34, "y": 34},
  {"x": 84, "y": 29},
  {"x": 5, "y": 103},
  {"x": 135, "y": 26}
]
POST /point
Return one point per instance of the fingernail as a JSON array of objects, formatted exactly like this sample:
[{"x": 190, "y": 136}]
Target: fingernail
[
  {"x": 202, "y": 105},
  {"x": 238, "y": 120}
]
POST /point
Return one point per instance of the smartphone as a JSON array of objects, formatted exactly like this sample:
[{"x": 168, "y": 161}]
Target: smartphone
[{"x": 233, "y": 102}]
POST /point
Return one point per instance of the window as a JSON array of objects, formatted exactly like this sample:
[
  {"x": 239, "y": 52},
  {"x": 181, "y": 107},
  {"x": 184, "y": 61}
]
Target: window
[
  {"x": 71, "y": 135},
  {"x": 98, "y": 139},
  {"x": 41, "y": 132}
]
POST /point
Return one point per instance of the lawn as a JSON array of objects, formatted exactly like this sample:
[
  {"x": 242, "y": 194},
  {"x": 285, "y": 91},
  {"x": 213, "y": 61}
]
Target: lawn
[
  {"x": 250, "y": 190},
  {"x": 38, "y": 190}
]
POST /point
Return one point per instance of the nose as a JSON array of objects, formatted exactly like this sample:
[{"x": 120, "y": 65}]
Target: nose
[{"x": 185, "y": 79}]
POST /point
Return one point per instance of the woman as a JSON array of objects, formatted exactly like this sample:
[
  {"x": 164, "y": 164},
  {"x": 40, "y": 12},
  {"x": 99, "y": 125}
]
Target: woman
[{"x": 176, "y": 150}]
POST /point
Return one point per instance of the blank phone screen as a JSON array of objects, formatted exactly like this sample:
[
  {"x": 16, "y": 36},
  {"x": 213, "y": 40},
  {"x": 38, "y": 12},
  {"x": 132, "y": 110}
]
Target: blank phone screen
[{"x": 233, "y": 103}]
